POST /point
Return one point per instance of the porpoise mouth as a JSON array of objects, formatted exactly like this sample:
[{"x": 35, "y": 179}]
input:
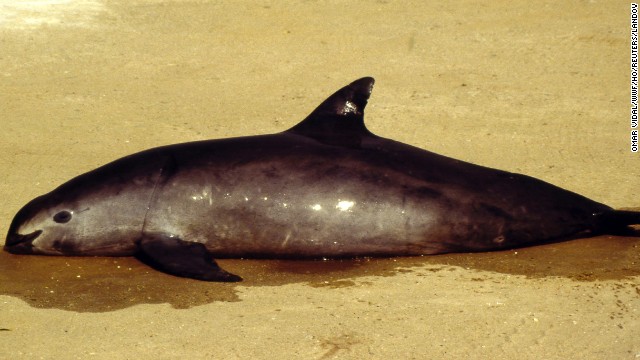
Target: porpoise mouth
[{"x": 21, "y": 244}]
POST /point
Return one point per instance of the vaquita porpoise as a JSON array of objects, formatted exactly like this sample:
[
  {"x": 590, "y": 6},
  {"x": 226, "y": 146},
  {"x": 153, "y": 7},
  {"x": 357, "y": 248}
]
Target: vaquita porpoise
[{"x": 326, "y": 188}]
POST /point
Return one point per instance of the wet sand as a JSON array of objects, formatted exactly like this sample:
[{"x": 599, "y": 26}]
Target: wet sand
[{"x": 537, "y": 88}]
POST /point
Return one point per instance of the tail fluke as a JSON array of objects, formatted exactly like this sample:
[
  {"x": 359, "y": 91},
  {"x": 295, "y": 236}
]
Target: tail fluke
[{"x": 617, "y": 221}]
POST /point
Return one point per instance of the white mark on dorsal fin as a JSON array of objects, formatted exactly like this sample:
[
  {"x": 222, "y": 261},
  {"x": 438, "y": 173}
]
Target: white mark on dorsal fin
[{"x": 349, "y": 108}]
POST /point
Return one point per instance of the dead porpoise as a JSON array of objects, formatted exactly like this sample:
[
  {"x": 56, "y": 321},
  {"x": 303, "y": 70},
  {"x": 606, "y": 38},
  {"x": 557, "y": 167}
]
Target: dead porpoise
[{"x": 326, "y": 188}]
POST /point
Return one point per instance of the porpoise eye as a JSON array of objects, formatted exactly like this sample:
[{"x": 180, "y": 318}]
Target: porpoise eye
[{"x": 62, "y": 217}]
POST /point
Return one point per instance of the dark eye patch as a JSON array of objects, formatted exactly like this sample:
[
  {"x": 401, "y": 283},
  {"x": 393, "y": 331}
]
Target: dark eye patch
[{"x": 62, "y": 217}]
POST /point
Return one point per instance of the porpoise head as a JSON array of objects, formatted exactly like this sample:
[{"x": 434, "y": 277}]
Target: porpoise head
[{"x": 98, "y": 213}]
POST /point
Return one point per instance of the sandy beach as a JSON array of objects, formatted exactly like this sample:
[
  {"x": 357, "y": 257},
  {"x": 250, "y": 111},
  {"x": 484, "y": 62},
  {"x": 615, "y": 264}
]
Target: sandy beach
[{"x": 539, "y": 88}]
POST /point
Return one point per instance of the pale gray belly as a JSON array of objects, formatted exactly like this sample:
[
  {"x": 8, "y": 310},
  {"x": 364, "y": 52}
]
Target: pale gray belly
[{"x": 253, "y": 212}]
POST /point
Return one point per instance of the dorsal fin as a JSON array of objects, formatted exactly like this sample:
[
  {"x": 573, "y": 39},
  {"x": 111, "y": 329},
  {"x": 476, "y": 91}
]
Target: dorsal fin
[{"x": 339, "y": 120}]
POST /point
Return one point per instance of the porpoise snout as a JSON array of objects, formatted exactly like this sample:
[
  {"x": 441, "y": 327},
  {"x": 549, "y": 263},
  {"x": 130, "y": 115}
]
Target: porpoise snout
[{"x": 21, "y": 244}]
